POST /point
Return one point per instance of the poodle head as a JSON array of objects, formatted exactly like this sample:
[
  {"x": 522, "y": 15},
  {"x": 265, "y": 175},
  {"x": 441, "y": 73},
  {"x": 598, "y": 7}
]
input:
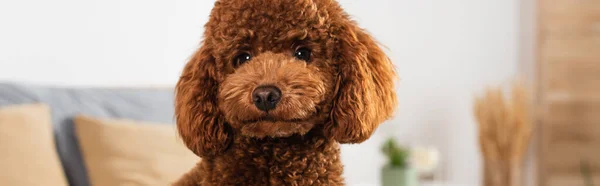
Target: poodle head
[{"x": 276, "y": 68}]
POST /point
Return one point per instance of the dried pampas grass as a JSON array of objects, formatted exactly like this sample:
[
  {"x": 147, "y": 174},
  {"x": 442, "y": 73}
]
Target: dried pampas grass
[{"x": 504, "y": 127}]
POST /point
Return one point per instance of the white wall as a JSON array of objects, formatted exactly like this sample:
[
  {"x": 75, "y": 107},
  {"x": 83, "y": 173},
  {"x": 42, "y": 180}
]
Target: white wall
[
  {"x": 99, "y": 42},
  {"x": 445, "y": 52}
]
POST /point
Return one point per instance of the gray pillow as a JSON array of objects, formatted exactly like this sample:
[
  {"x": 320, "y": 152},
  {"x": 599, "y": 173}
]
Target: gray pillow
[{"x": 154, "y": 105}]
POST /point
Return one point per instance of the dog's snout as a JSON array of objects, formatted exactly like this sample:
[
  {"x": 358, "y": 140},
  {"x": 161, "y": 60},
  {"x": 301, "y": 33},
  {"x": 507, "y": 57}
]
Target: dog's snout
[{"x": 266, "y": 97}]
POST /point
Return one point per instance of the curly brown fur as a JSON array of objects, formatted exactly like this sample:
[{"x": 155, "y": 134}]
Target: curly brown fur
[
  {"x": 340, "y": 95},
  {"x": 295, "y": 160}
]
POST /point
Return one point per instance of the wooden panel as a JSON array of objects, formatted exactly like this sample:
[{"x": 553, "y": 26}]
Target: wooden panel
[
  {"x": 591, "y": 19},
  {"x": 568, "y": 90},
  {"x": 582, "y": 133},
  {"x": 569, "y": 29},
  {"x": 572, "y": 112},
  {"x": 577, "y": 80},
  {"x": 570, "y": 8},
  {"x": 567, "y": 152},
  {"x": 569, "y": 142},
  {"x": 570, "y": 18},
  {"x": 569, "y": 180},
  {"x": 571, "y": 50}
]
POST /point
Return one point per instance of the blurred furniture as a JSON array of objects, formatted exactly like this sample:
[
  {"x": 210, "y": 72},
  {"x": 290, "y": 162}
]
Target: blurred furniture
[
  {"x": 27, "y": 143},
  {"x": 153, "y": 105},
  {"x": 126, "y": 152},
  {"x": 568, "y": 91}
]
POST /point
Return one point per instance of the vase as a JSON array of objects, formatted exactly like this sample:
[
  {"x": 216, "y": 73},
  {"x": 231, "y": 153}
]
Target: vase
[
  {"x": 502, "y": 173},
  {"x": 399, "y": 176}
]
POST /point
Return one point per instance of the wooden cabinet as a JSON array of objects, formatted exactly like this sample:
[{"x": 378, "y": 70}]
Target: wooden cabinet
[{"x": 568, "y": 56}]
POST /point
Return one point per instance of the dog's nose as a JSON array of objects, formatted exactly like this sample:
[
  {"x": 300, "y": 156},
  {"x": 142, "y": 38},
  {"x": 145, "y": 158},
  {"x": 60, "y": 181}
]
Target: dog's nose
[{"x": 266, "y": 97}]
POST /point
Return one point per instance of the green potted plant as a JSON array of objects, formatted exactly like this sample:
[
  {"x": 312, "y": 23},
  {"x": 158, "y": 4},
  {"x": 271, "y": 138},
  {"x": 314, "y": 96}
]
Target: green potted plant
[
  {"x": 586, "y": 173},
  {"x": 397, "y": 172}
]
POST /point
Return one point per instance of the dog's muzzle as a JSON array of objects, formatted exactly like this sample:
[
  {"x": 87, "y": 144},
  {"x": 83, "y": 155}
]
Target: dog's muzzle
[{"x": 266, "y": 98}]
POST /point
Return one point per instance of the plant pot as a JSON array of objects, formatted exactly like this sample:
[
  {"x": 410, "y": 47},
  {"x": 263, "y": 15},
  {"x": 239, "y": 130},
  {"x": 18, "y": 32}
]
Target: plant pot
[{"x": 394, "y": 176}]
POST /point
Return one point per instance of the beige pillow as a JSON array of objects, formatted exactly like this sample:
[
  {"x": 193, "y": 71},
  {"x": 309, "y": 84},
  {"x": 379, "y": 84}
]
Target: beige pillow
[
  {"x": 125, "y": 152},
  {"x": 28, "y": 154}
]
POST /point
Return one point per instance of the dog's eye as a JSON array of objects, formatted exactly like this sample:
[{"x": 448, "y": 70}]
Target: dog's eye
[
  {"x": 303, "y": 54},
  {"x": 241, "y": 59}
]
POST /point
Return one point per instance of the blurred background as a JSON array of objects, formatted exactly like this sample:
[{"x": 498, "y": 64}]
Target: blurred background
[{"x": 446, "y": 53}]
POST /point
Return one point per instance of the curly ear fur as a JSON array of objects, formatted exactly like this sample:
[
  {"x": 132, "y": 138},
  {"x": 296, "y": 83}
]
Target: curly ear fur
[
  {"x": 199, "y": 121},
  {"x": 365, "y": 92}
]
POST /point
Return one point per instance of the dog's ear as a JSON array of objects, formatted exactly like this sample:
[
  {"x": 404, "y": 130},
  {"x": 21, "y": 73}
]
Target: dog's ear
[
  {"x": 365, "y": 93},
  {"x": 199, "y": 121}
]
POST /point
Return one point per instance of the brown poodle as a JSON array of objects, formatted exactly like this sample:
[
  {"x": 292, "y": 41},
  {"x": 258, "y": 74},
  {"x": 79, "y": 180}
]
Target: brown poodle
[{"x": 275, "y": 88}]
